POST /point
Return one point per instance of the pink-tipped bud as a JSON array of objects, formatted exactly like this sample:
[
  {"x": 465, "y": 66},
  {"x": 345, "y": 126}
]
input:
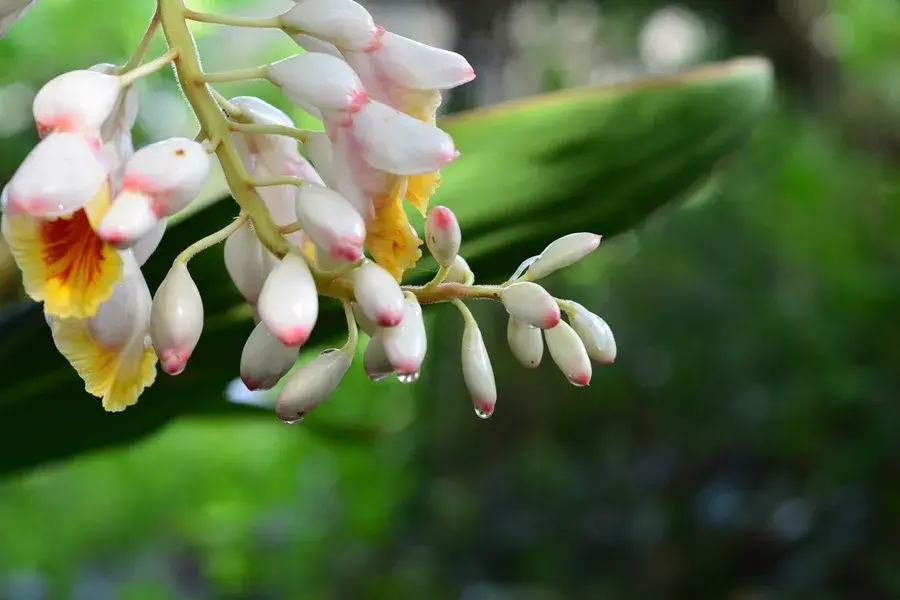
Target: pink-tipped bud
[
  {"x": 397, "y": 143},
  {"x": 477, "y": 371},
  {"x": 365, "y": 323},
  {"x": 376, "y": 363},
  {"x": 526, "y": 343},
  {"x": 379, "y": 295},
  {"x": 411, "y": 64},
  {"x": 265, "y": 360},
  {"x": 129, "y": 219},
  {"x": 331, "y": 222},
  {"x": 569, "y": 354},
  {"x": 443, "y": 236},
  {"x": 344, "y": 23},
  {"x": 176, "y": 319},
  {"x": 532, "y": 304},
  {"x": 406, "y": 344},
  {"x": 248, "y": 262},
  {"x": 62, "y": 173},
  {"x": 289, "y": 301},
  {"x": 595, "y": 333},
  {"x": 321, "y": 81},
  {"x": 310, "y": 385},
  {"x": 77, "y": 101},
  {"x": 459, "y": 272},
  {"x": 148, "y": 244},
  {"x": 171, "y": 172},
  {"x": 564, "y": 252}
]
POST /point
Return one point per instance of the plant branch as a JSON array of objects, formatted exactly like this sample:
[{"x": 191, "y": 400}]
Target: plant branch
[
  {"x": 147, "y": 68},
  {"x": 236, "y": 75},
  {"x": 212, "y": 239},
  {"x": 138, "y": 55},
  {"x": 262, "y": 23},
  {"x": 293, "y": 132}
]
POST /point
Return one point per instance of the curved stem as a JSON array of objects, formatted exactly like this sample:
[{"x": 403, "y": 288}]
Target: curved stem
[
  {"x": 292, "y": 228},
  {"x": 352, "y": 329},
  {"x": 467, "y": 315},
  {"x": 214, "y": 123},
  {"x": 276, "y": 181},
  {"x": 138, "y": 55},
  {"x": 232, "y": 110},
  {"x": 266, "y": 22},
  {"x": 145, "y": 69},
  {"x": 211, "y": 240},
  {"x": 438, "y": 278},
  {"x": 298, "y": 134},
  {"x": 235, "y": 75}
]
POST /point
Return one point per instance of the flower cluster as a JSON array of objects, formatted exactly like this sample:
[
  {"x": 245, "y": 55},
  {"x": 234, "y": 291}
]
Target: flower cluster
[{"x": 85, "y": 210}]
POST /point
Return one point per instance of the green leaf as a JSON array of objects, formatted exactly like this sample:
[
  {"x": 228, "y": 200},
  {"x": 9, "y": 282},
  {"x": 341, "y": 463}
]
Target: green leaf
[{"x": 600, "y": 159}]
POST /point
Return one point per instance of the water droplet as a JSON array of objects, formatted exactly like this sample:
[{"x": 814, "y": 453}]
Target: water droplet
[
  {"x": 329, "y": 351},
  {"x": 293, "y": 421},
  {"x": 408, "y": 377},
  {"x": 483, "y": 414},
  {"x": 376, "y": 377}
]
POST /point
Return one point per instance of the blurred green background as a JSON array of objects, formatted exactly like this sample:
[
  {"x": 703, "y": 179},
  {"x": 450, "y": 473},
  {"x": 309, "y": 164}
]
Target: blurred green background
[{"x": 743, "y": 446}]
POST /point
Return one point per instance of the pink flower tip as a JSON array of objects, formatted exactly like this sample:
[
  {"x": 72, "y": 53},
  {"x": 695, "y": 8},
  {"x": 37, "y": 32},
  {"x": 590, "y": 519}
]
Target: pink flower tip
[
  {"x": 375, "y": 44},
  {"x": 406, "y": 368},
  {"x": 444, "y": 218},
  {"x": 113, "y": 238},
  {"x": 250, "y": 383},
  {"x": 468, "y": 74},
  {"x": 351, "y": 252},
  {"x": 173, "y": 362},
  {"x": 448, "y": 155},
  {"x": 389, "y": 319},
  {"x": 293, "y": 336},
  {"x": 485, "y": 406},
  {"x": 552, "y": 319},
  {"x": 581, "y": 379},
  {"x": 358, "y": 99}
]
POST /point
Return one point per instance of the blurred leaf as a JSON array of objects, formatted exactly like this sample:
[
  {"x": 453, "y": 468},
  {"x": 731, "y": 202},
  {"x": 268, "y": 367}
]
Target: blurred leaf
[{"x": 600, "y": 159}]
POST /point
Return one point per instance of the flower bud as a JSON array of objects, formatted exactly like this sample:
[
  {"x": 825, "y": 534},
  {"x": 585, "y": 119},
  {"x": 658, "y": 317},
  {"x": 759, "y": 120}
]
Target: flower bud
[
  {"x": 289, "y": 301},
  {"x": 569, "y": 354},
  {"x": 562, "y": 253},
  {"x": 129, "y": 219},
  {"x": 406, "y": 344},
  {"x": 171, "y": 172},
  {"x": 531, "y": 303},
  {"x": 343, "y": 23},
  {"x": 248, "y": 262},
  {"x": 477, "y": 371},
  {"x": 313, "y": 44},
  {"x": 418, "y": 66},
  {"x": 523, "y": 267},
  {"x": 364, "y": 322},
  {"x": 379, "y": 295},
  {"x": 77, "y": 101},
  {"x": 376, "y": 363},
  {"x": 125, "y": 113},
  {"x": 311, "y": 385},
  {"x": 62, "y": 173},
  {"x": 321, "y": 81},
  {"x": 526, "y": 343},
  {"x": 331, "y": 222},
  {"x": 265, "y": 360},
  {"x": 459, "y": 272},
  {"x": 176, "y": 319},
  {"x": 595, "y": 333},
  {"x": 320, "y": 151},
  {"x": 148, "y": 244},
  {"x": 397, "y": 143},
  {"x": 442, "y": 235}
]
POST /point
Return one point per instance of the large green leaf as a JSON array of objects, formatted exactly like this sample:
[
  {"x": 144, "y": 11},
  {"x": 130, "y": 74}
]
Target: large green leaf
[{"x": 600, "y": 159}]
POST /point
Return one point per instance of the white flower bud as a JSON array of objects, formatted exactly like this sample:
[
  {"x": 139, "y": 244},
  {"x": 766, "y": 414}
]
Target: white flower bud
[
  {"x": 595, "y": 333},
  {"x": 526, "y": 343},
  {"x": 176, "y": 319},
  {"x": 569, "y": 354},
  {"x": 129, "y": 219},
  {"x": 397, "y": 143},
  {"x": 320, "y": 151},
  {"x": 125, "y": 113},
  {"x": 532, "y": 304},
  {"x": 77, "y": 101},
  {"x": 562, "y": 253},
  {"x": 313, "y": 44},
  {"x": 265, "y": 360},
  {"x": 331, "y": 222},
  {"x": 365, "y": 323},
  {"x": 289, "y": 301},
  {"x": 248, "y": 262},
  {"x": 442, "y": 234},
  {"x": 406, "y": 344},
  {"x": 418, "y": 66},
  {"x": 62, "y": 173},
  {"x": 379, "y": 295},
  {"x": 171, "y": 172},
  {"x": 376, "y": 363},
  {"x": 343, "y": 23},
  {"x": 321, "y": 81},
  {"x": 148, "y": 244},
  {"x": 522, "y": 268},
  {"x": 459, "y": 272},
  {"x": 477, "y": 371},
  {"x": 310, "y": 385}
]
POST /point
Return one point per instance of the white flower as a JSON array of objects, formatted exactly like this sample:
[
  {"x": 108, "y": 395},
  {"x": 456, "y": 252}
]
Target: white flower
[
  {"x": 289, "y": 301},
  {"x": 378, "y": 295},
  {"x": 405, "y": 345},
  {"x": 265, "y": 360},
  {"x": 442, "y": 235},
  {"x": 343, "y": 23},
  {"x": 310, "y": 385},
  {"x": 531, "y": 303},
  {"x": 569, "y": 354},
  {"x": 526, "y": 343},
  {"x": 176, "y": 321}
]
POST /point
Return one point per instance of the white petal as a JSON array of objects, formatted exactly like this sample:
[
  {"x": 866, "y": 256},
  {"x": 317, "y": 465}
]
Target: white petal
[
  {"x": 477, "y": 370},
  {"x": 569, "y": 354},
  {"x": 118, "y": 150},
  {"x": 406, "y": 344},
  {"x": 310, "y": 385},
  {"x": 375, "y": 360},
  {"x": 419, "y": 66},
  {"x": 397, "y": 143},
  {"x": 364, "y": 322},
  {"x": 352, "y": 175},
  {"x": 77, "y": 101},
  {"x": 331, "y": 222},
  {"x": 176, "y": 320},
  {"x": 127, "y": 313},
  {"x": 595, "y": 333},
  {"x": 130, "y": 219},
  {"x": 61, "y": 174},
  {"x": 320, "y": 151},
  {"x": 313, "y": 44},
  {"x": 289, "y": 301},
  {"x": 320, "y": 80},
  {"x": 379, "y": 295},
  {"x": 532, "y": 304},
  {"x": 148, "y": 244},
  {"x": 265, "y": 360},
  {"x": 562, "y": 253},
  {"x": 526, "y": 343},
  {"x": 124, "y": 114},
  {"x": 248, "y": 262},
  {"x": 172, "y": 172},
  {"x": 343, "y": 23},
  {"x": 442, "y": 235}
]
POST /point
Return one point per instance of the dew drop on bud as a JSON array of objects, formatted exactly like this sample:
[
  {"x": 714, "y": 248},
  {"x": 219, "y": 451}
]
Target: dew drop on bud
[
  {"x": 293, "y": 421},
  {"x": 408, "y": 377},
  {"x": 483, "y": 413}
]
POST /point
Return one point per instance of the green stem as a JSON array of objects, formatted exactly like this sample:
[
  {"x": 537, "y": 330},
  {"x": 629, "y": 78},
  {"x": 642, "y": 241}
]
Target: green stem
[
  {"x": 236, "y": 75},
  {"x": 265, "y": 23},
  {"x": 293, "y": 132},
  {"x": 138, "y": 55},
  {"x": 147, "y": 68},
  {"x": 467, "y": 315},
  {"x": 276, "y": 181},
  {"x": 214, "y": 123},
  {"x": 211, "y": 240},
  {"x": 438, "y": 278},
  {"x": 352, "y": 329},
  {"x": 232, "y": 110}
]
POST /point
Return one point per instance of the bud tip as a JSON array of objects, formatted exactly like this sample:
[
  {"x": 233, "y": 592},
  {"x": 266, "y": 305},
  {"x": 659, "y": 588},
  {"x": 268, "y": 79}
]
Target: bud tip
[
  {"x": 173, "y": 362},
  {"x": 293, "y": 336},
  {"x": 358, "y": 99},
  {"x": 552, "y": 319},
  {"x": 581, "y": 379},
  {"x": 387, "y": 319}
]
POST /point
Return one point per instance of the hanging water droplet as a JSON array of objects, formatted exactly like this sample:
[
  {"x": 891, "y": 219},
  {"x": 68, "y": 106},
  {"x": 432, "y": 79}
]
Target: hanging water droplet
[
  {"x": 293, "y": 421},
  {"x": 483, "y": 414},
  {"x": 408, "y": 377},
  {"x": 376, "y": 377}
]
